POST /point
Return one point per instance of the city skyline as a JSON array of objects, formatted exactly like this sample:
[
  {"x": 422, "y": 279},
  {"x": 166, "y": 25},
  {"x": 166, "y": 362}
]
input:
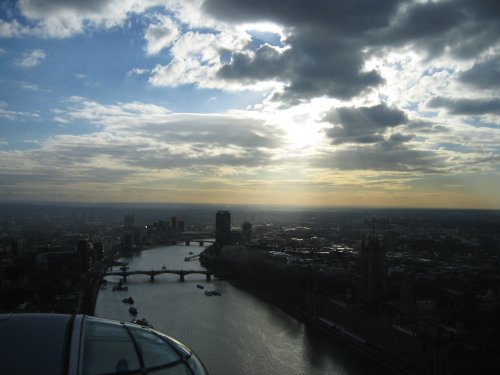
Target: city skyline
[{"x": 327, "y": 103}]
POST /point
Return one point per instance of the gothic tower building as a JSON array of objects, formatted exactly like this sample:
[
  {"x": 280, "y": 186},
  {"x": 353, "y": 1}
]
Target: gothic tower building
[{"x": 373, "y": 271}]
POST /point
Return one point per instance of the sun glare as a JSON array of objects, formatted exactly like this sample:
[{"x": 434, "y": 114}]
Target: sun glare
[
  {"x": 303, "y": 132},
  {"x": 263, "y": 27}
]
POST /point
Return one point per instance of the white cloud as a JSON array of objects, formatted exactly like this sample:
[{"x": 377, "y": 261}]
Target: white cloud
[
  {"x": 30, "y": 86},
  {"x": 15, "y": 115},
  {"x": 13, "y": 29},
  {"x": 137, "y": 72},
  {"x": 32, "y": 58},
  {"x": 160, "y": 34},
  {"x": 55, "y": 19},
  {"x": 196, "y": 58},
  {"x": 63, "y": 19}
]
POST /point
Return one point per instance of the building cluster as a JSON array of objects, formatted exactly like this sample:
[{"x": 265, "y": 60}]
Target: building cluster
[
  {"x": 45, "y": 261},
  {"x": 421, "y": 295},
  {"x": 159, "y": 232},
  {"x": 225, "y": 235}
]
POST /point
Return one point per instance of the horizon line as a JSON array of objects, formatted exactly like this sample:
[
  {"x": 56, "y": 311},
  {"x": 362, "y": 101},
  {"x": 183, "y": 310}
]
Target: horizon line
[{"x": 152, "y": 205}]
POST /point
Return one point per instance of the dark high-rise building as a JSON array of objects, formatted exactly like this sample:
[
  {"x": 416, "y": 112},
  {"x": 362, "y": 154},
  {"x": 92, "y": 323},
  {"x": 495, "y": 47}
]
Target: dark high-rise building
[
  {"x": 173, "y": 226},
  {"x": 246, "y": 231},
  {"x": 222, "y": 228},
  {"x": 373, "y": 271}
]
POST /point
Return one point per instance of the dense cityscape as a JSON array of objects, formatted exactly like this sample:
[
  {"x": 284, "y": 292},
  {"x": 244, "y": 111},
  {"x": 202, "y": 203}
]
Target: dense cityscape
[{"x": 417, "y": 290}]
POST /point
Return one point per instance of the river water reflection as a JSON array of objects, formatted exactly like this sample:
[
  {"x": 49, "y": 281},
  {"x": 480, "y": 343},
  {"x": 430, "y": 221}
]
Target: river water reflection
[{"x": 235, "y": 333}]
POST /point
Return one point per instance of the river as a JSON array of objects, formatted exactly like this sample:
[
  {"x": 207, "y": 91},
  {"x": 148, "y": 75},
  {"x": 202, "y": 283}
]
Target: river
[{"x": 235, "y": 333}]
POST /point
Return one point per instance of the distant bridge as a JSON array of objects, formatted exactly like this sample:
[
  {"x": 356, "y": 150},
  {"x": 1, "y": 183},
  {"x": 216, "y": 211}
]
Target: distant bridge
[
  {"x": 153, "y": 273},
  {"x": 188, "y": 241}
]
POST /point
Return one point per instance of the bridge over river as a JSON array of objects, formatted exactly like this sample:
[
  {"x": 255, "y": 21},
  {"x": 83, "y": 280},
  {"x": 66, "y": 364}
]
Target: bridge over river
[
  {"x": 153, "y": 273},
  {"x": 188, "y": 241}
]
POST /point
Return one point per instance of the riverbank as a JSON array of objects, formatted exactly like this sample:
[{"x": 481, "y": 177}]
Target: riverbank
[
  {"x": 305, "y": 314},
  {"x": 326, "y": 327}
]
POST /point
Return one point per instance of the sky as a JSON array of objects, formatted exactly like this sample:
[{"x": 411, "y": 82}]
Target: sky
[{"x": 385, "y": 103}]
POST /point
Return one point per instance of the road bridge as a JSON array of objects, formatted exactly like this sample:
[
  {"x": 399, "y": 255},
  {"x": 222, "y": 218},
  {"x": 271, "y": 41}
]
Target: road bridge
[
  {"x": 153, "y": 273},
  {"x": 188, "y": 241}
]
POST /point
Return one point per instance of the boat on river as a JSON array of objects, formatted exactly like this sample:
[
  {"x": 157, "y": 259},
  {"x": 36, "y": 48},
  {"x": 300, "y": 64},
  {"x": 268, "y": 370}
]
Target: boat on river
[
  {"x": 200, "y": 286},
  {"x": 129, "y": 300},
  {"x": 120, "y": 288},
  {"x": 215, "y": 292},
  {"x": 142, "y": 322},
  {"x": 132, "y": 310}
]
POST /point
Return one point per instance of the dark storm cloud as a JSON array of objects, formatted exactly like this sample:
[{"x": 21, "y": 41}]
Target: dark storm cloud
[
  {"x": 325, "y": 58},
  {"x": 424, "y": 21},
  {"x": 365, "y": 127},
  {"x": 46, "y": 7},
  {"x": 313, "y": 67},
  {"x": 397, "y": 139},
  {"x": 426, "y": 127},
  {"x": 362, "y": 124},
  {"x": 331, "y": 40},
  {"x": 265, "y": 64},
  {"x": 390, "y": 155},
  {"x": 352, "y": 16},
  {"x": 467, "y": 106},
  {"x": 463, "y": 28},
  {"x": 484, "y": 75}
]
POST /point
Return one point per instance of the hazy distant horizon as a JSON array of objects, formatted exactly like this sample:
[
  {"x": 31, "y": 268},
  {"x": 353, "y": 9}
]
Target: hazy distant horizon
[{"x": 224, "y": 206}]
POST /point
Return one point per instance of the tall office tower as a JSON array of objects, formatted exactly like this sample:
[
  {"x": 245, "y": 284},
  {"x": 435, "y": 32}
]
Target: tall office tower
[
  {"x": 222, "y": 228},
  {"x": 246, "y": 231},
  {"x": 128, "y": 221},
  {"x": 173, "y": 226},
  {"x": 373, "y": 271}
]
